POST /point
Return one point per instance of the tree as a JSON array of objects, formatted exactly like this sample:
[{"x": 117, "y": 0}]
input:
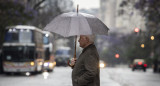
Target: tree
[
  {"x": 149, "y": 9},
  {"x": 12, "y": 13},
  {"x": 46, "y": 13}
]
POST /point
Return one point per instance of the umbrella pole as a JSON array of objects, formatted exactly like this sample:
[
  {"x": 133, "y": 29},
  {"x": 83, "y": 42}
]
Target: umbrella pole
[
  {"x": 74, "y": 53},
  {"x": 76, "y": 36},
  {"x": 75, "y": 47}
]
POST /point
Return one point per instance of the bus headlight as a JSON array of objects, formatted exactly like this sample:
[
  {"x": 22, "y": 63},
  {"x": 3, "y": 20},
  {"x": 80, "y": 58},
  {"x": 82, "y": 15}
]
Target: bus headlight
[
  {"x": 54, "y": 63},
  {"x": 46, "y": 64},
  {"x": 40, "y": 63},
  {"x": 51, "y": 65},
  {"x": 32, "y": 63}
]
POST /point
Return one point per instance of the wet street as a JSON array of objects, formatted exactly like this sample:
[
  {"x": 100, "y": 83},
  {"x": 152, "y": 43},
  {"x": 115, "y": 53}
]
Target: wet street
[{"x": 62, "y": 77}]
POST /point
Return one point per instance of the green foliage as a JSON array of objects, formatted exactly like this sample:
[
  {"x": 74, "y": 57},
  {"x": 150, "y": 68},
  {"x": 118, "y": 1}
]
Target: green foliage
[
  {"x": 12, "y": 13},
  {"x": 150, "y": 10},
  {"x": 136, "y": 51}
]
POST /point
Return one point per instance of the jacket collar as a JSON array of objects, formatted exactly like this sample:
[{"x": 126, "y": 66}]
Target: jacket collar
[{"x": 87, "y": 47}]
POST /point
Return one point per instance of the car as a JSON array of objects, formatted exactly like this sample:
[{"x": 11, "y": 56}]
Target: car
[{"x": 139, "y": 64}]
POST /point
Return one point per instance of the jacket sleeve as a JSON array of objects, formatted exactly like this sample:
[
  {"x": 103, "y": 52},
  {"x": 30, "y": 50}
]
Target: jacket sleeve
[{"x": 91, "y": 64}]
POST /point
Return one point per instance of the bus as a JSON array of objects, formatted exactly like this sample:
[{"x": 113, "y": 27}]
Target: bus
[
  {"x": 62, "y": 55},
  {"x": 22, "y": 50},
  {"x": 49, "y": 62}
]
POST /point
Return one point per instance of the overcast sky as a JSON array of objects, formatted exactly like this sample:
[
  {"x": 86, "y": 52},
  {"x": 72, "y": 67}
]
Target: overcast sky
[{"x": 87, "y": 4}]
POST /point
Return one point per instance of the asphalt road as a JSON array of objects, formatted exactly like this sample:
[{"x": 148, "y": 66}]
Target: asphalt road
[{"x": 62, "y": 77}]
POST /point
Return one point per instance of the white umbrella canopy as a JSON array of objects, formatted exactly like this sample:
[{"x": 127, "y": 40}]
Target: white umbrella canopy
[{"x": 73, "y": 23}]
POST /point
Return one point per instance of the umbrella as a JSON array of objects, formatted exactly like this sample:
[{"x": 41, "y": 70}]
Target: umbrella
[{"x": 74, "y": 23}]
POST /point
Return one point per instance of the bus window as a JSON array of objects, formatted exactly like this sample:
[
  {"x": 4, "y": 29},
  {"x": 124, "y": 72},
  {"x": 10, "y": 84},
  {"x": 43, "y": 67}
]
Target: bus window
[
  {"x": 25, "y": 36},
  {"x": 21, "y": 36},
  {"x": 11, "y": 36}
]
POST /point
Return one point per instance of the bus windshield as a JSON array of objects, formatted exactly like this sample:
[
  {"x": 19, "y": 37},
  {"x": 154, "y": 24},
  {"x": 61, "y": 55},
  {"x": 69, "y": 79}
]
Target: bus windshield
[
  {"x": 45, "y": 40},
  {"x": 62, "y": 52},
  {"x": 18, "y": 54},
  {"x": 20, "y": 36}
]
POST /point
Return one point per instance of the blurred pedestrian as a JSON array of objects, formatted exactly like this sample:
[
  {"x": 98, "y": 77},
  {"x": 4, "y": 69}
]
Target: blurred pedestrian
[{"x": 86, "y": 67}]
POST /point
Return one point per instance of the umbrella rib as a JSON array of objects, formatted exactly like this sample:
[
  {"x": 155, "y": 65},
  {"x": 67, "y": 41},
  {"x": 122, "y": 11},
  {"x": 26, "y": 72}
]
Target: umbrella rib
[
  {"x": 79, "y": 25},
  {"x": 88, "y": 24},
  {"x": 69, "y": 27}
]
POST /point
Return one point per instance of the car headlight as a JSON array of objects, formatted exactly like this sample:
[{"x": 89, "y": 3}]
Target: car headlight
[{"x": 102, "y": 65}]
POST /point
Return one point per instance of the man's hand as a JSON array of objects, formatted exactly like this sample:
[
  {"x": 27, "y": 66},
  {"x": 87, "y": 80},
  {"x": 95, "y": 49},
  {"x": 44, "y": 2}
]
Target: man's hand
[{"x": 72, "y": 62}]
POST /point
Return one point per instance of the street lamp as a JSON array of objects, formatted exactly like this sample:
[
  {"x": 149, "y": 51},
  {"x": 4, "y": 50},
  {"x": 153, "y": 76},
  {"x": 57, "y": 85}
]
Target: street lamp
[
  {"x": 117, "y": 56},
  {"x": 152, "y": 49},
  {"x": 142, "y": 45},
  {"x": 152, "y": 37},
  {"x": 136, "y": 30}
]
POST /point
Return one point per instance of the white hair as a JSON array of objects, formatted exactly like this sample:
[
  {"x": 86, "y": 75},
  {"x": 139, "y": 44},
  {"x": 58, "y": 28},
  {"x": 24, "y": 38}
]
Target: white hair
[{"x": 91, "y": 38}]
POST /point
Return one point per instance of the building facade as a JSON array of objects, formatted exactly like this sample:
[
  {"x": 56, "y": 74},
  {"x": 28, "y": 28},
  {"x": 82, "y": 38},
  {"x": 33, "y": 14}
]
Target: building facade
[{"x": 125, "y": 23}]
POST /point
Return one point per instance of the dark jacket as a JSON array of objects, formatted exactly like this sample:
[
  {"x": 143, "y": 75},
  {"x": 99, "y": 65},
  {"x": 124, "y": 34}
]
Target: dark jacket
[{"x": 86, "y": 70}]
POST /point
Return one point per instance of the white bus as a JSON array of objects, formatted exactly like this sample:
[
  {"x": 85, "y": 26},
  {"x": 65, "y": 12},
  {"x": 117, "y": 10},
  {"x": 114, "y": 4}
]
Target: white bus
[
  {"x": 48, "y": 41},
  {"x": 62, "y": 55},
  {"x": 22, "y": 49}
]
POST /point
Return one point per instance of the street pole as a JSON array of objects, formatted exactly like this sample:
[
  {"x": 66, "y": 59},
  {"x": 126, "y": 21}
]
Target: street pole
[{"x": 152, "y": 50}]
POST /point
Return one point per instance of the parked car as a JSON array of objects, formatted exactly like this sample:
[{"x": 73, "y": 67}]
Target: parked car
[{"x": 139, "y": 64}]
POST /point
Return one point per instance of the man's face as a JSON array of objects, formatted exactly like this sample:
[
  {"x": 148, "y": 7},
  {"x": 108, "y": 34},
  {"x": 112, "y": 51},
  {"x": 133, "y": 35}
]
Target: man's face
[{"x": 83, "y": 41}]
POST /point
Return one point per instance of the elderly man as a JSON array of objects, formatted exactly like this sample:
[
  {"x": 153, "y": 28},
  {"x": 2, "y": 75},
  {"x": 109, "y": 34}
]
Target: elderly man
[{"x": 86, "y": 67}]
